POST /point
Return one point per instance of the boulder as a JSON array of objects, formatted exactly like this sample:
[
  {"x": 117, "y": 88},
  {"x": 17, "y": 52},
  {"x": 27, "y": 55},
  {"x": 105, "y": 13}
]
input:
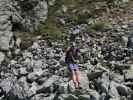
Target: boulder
[
  {"x": 6, "y": 85},
  {"x": 2, "y": 57},
  {"x": 6, "y": 38},
  {"x": 94, "y": 75},
  {"x": 84, "y": 82},
  {"x": 13, "y": 90},
  {"x": 123, "y": 90},
  {"x": 113, "y": 93},
  {"x": 103, "y": 83},
  {"x": 33, "y": 89},
  {"x": 47, "y": 86},
  {"x": 34, "y": 75},
  {"x": 71, "y": 86},
  {"x": 63, "y": 88}
]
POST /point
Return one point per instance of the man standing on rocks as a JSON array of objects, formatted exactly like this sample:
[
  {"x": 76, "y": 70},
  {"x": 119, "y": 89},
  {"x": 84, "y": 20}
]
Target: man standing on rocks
[{"x": 71, "y": 59}]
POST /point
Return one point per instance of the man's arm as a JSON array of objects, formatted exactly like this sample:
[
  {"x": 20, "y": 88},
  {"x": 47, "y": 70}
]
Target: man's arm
[{"x": 80, "y": 57}]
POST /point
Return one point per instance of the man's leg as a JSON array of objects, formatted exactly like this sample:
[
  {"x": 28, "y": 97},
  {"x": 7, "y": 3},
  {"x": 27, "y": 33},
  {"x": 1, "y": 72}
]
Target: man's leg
[
  {"x": 74, "y": 78},
  {"x": 73, "y": 75},
  {"x": 77, "y": 76}
]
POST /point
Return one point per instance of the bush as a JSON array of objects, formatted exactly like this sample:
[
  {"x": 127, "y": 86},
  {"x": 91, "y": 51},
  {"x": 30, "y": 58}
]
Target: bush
[{"x": 98, "y": 26}]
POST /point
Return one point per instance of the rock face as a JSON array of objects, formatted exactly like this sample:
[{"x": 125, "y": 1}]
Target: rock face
[
  {"x": 19, "y": 15},
  {"x": 5, "y": 25},
  {"x": 29, "y": 13}
]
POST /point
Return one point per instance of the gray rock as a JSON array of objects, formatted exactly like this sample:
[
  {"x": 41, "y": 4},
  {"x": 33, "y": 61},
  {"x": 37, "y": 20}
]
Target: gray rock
[
  {"x": 5, "y": 25},
  {"x": 94, "y": 75},
  {"x": 23, "y": 71},
  {"x": 67, "y": 97},
  {"x": 115, "y": 98},
  {"x": 104, "y": 83},
  {"x": 103, "y": 96},
  {"x": 71, "y": 86},
  {"x": 129, "y": 75},
  {"x": 33, "y": 89},
  {"x": 123, "y": 90},
  {"x": 51, "y": 2},
  {"x": 63, "y": 88},
  {"x": 37, "y": 64},
  {"x": 62, "y": 60},
  {"x": 35, "y": 45},
  {"x": 18, "y": 42},
  {"x": 5, "y": 37},
  {"x": 84, "y": 82},
  {"x": 13, "y": 90},
  {"x": 94, "y": 95},
  {"x": 43, "y": 97},
  {"x": 41, "y": 80},
  {"x": 6, "y": 85},
  {"x": 125, "y": 40},
  {"x": 2, "y": 57},
  {"x": 84, "y": 97},
  {"x": 122, "y": 66},
  {"x": 27, "y": 54},
  {"x": 117, "y": 78},
  {"x": 113, "y": 90},
  {"x": 47, "y": 86},
  {"x": 34, "y": 75}
]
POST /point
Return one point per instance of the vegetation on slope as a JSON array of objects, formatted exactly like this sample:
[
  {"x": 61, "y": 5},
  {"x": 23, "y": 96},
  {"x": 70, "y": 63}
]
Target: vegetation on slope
[{"x": 73, "y": 12}]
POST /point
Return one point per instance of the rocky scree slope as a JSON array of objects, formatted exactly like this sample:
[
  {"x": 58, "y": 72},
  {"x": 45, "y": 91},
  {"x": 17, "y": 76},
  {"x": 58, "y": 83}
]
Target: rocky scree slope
[{"x": 39, "y": 72}]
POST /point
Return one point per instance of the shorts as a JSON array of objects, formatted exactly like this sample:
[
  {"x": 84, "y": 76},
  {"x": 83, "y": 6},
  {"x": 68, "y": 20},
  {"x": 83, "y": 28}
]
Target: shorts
[{"x": 72, "y": 66}]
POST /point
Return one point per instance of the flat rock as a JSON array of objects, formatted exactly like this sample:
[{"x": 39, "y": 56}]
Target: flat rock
[
  {"x": 84, "y": 97},
  {"x": 94, "y": 75},
  {"x": 67, "y": 97}
]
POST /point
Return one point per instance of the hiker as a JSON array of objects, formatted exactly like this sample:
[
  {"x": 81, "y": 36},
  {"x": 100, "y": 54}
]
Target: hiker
[
  {"x": 71, "y": 59},
  {"x": 72, "y": 38}
]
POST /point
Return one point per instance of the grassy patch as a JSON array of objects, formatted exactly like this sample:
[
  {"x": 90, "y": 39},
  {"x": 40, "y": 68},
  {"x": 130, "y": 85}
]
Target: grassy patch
[
  {"x": 98, "y": 26},
  {"x": 51, "y": 29},
  {"x": 25, "y": 35}
]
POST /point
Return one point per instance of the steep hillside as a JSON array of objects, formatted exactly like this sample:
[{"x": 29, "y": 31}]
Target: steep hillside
[{"x": 35, "y": 33}]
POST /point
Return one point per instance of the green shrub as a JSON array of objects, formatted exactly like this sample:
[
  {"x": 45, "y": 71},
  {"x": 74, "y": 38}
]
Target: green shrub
[{"x": 98, "y": 26}]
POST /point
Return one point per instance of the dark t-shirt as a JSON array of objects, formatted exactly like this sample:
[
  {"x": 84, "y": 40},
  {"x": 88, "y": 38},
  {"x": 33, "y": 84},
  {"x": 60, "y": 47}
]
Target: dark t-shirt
[{"x": 71, "y": 55}]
